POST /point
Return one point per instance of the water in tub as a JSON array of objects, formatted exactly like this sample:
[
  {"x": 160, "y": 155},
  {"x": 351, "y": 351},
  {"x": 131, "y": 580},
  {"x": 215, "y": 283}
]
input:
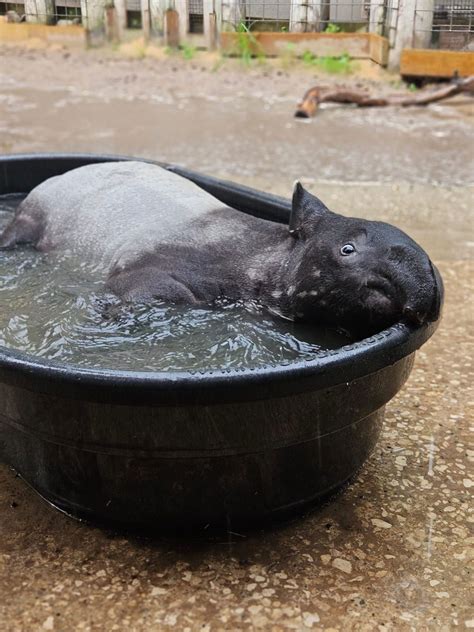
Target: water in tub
[{"x": 53, "y": 311}]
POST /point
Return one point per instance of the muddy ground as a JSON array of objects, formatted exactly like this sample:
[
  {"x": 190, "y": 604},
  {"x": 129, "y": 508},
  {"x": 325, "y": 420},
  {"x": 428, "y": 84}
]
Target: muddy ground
[{"x": 392, "y": 551}]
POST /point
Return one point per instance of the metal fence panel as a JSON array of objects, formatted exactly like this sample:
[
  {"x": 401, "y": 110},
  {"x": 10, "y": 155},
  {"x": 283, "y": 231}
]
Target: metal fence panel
[
  {"x": 449, "y": 25},
  {"x": 312, "y": 15},
  {"x": 43, "y": 11}
]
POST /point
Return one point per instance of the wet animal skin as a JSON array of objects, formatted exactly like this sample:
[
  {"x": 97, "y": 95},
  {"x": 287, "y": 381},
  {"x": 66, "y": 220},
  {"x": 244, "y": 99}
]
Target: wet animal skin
[{"x": 150, "y": 233}]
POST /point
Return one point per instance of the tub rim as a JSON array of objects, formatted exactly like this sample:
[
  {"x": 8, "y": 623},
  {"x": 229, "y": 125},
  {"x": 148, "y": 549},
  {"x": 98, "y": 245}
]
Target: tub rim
[{"x": 327, "y": 369}]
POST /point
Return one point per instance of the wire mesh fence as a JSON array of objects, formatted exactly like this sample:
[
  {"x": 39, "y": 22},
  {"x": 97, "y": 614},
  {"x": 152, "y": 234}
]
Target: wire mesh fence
[
  {"x": 196, "y": 16},
  {"x": 88, "y": 13},
  {"x": 384, "y": 18},
  {"x": 331, "y": 16},
  {"x": 445, "y": 24},
  {"x": 59, "y": 12},
  {"x": 261, "y": 15},
  {"x": 441, "y": 24}
]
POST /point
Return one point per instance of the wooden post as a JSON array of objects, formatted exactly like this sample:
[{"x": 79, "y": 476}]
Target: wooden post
[
  {"x": 307, "y": 16},
  {"x": 211, "y": 39},
  {"x": 423, "y": 23},
  {"x": 415, "y": 21},
  {"x": 231, "y": 13},
  {"x": 40, "y": 11},
  {"x": 121, "y": 13},
  {"x": 218, "y": 14},
  {"x": 93, "y": 19},
  {"x": 145, "y": 8},
  {"x": 111, "y": 24},
  {"x": 210, "y": 23},
  {"x": 318, "y": 14},
  {"x": 391, "y": 21},
  {"x": 181, "y": 6},
  {"x": 171, "y": 28},
  {"x": 377, "y": 16},
  {"x": 156, "y": 17},
  {"x": 405, "y": 31},
  {"x": 298, "y": 13}
]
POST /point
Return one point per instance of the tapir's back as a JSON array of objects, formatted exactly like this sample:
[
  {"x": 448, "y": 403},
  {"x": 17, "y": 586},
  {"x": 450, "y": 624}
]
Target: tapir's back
[{"x": 110, "y": 212}]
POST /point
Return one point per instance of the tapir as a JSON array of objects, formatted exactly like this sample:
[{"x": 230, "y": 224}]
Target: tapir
[{"x": 151, "y": 233}]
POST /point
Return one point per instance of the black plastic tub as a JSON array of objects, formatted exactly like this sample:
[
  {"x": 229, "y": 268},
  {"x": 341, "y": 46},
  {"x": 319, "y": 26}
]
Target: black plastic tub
[{"x": 194, "y": 450}]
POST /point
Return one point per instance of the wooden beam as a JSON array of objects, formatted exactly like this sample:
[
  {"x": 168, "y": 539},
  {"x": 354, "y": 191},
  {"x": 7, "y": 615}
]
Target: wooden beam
[{"x": 436, "y": 63}]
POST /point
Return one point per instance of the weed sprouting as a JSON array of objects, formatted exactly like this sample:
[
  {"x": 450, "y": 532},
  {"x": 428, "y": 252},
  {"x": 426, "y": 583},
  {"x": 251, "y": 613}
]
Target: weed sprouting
[
  {"x": 247, "y": 45},
  {"x": 332, "y": 28},
  {"x": 308, "y": 58},
  {"x": 188, "y": 51},
  {"x": 329, "y": 64},
  {"x": 289, "y": 54}
]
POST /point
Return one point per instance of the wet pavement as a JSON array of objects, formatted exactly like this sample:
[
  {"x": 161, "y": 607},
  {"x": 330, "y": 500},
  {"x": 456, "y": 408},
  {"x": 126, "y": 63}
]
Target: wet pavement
[
  {"x": 393, "y": 550},
  {"x": 236, "y": 123}
]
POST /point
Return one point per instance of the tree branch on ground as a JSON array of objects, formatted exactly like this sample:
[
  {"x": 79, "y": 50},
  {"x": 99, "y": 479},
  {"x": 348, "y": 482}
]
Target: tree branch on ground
[{"x": 314, "y": 96}]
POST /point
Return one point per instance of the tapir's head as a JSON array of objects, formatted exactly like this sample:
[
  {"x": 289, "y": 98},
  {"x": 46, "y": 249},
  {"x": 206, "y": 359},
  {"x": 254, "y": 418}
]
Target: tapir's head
[{"x": 356, "y": 274}]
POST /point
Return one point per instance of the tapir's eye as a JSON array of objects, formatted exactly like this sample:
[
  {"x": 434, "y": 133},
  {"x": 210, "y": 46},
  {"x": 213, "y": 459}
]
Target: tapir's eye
[{"x": 347, "y": 249}]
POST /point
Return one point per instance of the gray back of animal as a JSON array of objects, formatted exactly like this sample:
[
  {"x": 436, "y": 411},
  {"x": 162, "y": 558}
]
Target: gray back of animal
[{"x": 114, "y": 212}]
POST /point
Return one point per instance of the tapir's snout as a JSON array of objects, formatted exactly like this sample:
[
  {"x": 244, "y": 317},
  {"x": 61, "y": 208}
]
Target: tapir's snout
[
  {"x": 426, "y": 306},
  {"x": 438, "y": 299}
]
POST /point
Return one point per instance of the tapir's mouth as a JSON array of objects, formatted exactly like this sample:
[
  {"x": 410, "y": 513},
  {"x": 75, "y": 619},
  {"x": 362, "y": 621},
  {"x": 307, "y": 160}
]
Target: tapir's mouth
[{"x": 414, "y": 317}]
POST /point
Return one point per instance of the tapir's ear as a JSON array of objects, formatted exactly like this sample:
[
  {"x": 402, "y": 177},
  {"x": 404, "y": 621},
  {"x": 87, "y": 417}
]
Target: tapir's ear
[{"x": 304, "y": 208}]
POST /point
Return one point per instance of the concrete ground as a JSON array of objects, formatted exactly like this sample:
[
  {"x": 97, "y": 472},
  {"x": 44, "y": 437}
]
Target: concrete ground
[{"x": 393, "y": 550}]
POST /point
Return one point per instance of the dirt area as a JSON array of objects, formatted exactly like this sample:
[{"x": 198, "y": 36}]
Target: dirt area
[{"x": 391, "y": 552}]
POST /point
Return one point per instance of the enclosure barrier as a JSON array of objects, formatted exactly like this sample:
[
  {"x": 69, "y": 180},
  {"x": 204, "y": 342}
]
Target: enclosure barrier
[
  {"x": 270, "y": 44},
  {"x": 425, "y": 36},
  {"x": 442, "y": 40},
  {"x": 303, "y": 16}
]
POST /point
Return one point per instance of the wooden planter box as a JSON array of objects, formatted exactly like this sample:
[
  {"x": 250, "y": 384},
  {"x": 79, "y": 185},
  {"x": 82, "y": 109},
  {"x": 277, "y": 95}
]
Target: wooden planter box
[
  {"x": 67, "y": 34},
  {"x": 436, "y": 63},
  {"x": 357, "y": 45}
]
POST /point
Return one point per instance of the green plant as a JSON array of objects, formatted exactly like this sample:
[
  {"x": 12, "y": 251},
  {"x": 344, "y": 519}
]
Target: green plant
[
  {"x": 247, "y": 45},
  {"x": 412, "y": 87},
  {"x": 333, "y": 65},
  {"x": 188, "y": 51},
  {"x": 332, "y": 28},
  {"x": 308, "y": 58},
  {"x": 289, "y": 54}
]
